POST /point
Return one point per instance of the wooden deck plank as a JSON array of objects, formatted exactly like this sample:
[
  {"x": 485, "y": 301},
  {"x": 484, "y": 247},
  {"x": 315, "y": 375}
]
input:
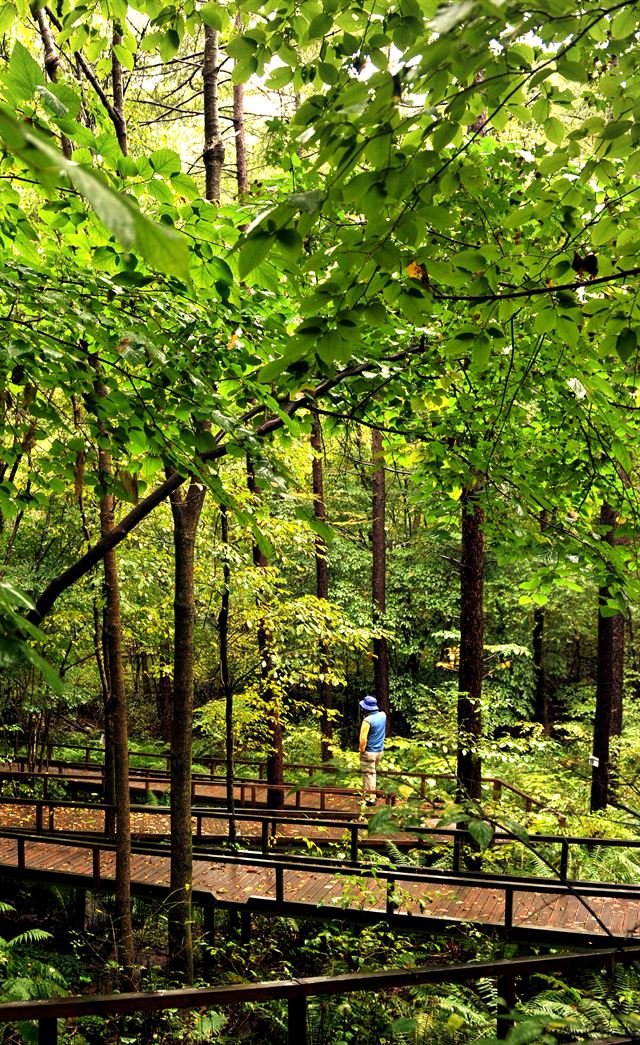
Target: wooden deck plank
[{"x": 237, "y": 883}]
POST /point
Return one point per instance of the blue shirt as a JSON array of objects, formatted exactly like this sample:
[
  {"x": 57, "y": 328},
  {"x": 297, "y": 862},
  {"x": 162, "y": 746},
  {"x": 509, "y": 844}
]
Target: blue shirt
[{"x": 377, "y": 729}]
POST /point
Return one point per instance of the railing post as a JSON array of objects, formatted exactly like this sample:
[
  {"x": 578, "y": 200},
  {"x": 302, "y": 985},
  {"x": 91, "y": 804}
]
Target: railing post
[
  {"x": 297, "y": 1021},
  {"x": 391, "y": 900},
  {"x": 95, "y": 859},
  {"x": 279, "y": 884},
  {"x": 506, "y": 1003},
  {"x": 21, "y": 856},
  {"x": 39, "y": 819},
  {"x": 497, "y": 789},
  {"x": 508, "y": 910},
  {"x": 457, "y": 850},
  {"x": 48, "y": 1031},
  {"x": 564, "y": 859},
  {"x": 52, "y": 814},
  {"x": 353, "y": 828},
  {"x": 264, "y": 830}
]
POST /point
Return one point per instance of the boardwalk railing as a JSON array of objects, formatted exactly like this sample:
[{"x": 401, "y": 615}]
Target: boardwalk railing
[
  {"x": 387, "y": 890},
  {"x": 422, "y": 777},
  {"x": 297, "y": 992},
  {"x": 346, "y": 822}
]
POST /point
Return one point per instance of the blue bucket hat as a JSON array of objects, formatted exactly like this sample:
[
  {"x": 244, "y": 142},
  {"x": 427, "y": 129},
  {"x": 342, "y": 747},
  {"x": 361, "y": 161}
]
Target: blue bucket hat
[{"x": 369, "y": 703}]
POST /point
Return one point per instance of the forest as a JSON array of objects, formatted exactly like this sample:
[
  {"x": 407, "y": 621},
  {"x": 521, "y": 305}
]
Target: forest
[{"x": 318, "y": 401}]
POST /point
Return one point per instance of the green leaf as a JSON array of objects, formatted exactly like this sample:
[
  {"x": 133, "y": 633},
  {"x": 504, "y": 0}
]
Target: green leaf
[
  {"x": 166, "y": 162},
  {"x": 382, "y": 822},
  {"x": 481, "y": 352},
  {"x": 320, "y": 25},
  {"x": 626, "y": 343},
  {"x": 211, "y": 16},
  {"x": 253, "y": 250},
  {"x": 162, "y": 247},
  {"x": 481, "y": 832},
  {"x": 23, "y": 74},
  {"x": 554, "y": 130}
]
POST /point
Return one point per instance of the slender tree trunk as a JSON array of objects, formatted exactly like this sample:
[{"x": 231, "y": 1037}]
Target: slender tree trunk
[
  {"x": 379, "y": 573},
  {"x": 275, "y": 757},
  {"x": 242, "y": 175},
  {"x": 325, "y": 694},
  {"x": 51, "y": 63},
  {"x": 213, "y": 154},
  {"x": 541, "y": 704},
  {"x": 116, "y": 713},
  {"x": 186, "y": 511},
  {"x": 469, "y": 767},
  {"x": 117, "y": 82},
  {"x": 225, "y": 674},
  {"x": 609, "y": 684}
]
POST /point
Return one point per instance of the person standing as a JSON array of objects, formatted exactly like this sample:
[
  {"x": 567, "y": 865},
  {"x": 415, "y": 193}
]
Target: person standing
[{"x": 372, "y": 734}]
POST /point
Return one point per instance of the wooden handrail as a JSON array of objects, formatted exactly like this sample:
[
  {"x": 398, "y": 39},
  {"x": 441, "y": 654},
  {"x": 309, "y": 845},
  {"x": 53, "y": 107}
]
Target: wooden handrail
[
  {"x": 310, "y": 767},
  {"x": 298, "y": 991}
]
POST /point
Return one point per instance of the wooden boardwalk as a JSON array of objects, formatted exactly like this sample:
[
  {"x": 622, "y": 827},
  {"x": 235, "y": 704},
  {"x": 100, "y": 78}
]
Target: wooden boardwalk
[{"x": 428, "y": 900}]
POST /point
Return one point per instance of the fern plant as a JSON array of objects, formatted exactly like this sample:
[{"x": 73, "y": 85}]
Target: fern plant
[{"x": 25, "y": 978}]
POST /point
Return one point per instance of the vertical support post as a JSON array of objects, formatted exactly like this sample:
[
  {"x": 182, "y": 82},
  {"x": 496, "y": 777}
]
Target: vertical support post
[
  {"x": 245, "y": 928},
  {"x": 457, "y": 850},
  {"x": 391, "y": 903},
  {"x": 21, "y": 856},
  {"x": 39, "y": 819},
  {"x": 48, "y": 1031},
  {"x": 264, "y": 831},
  {"x": 564, "y": 859},
  {"x": 497, "y": 789},
  {"x": 209, "y": 926},
  {"x": 279, "y": 884},
  {"x": 323, "y": 801},
  {"x": 95, "y": 859},
  {"x": 297, "y": 1021},
  {"x": 52, "y": 814},
  {"x": 353, "y": 828},
  {"x": 508, "y": 911},
  {"x": 506, "y": 1004}
]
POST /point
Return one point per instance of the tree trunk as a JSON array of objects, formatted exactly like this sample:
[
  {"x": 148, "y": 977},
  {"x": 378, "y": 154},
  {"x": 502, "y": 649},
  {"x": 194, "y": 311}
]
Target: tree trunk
[
  {"x": 541, "y": 704},
  {"x": 471, "y": 660},
  {"x": 116, "y": 715},
  {"x": 213, "y": 154},
  {"x": 186, "y": 511},
  {"x": 225, "y": 675},
  {"x": 242, "y": 175},
  {"x": 325, "y": 695},
  {"x": 609, "y": 684},
  {"x": 379, "y": 574},
  {"x": 117, "y": 82},
  {"x": 51, "y": 63},
  {"x": 275, "y": 757}
]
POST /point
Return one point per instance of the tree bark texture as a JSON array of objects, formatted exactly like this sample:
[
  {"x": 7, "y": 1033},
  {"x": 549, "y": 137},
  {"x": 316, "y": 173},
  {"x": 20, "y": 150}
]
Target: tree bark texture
[
  {"x": 51, "y": 63},
  {"x": 225, "y": 674},
  {"x": 325, "y": 694},
  {"x": 118, "y": 716},
  {"x": 186, "y": 509},
  {"x": 213, "y": 153},
  {"x": 275, "y": 757},
  {"x": 242, "y": 173},
  {"x": 117, "y": 83},
  {"x": 116, "y": 713},
  {"x": 471, "y": 658},
  {"x": 609, "y": 684},
  {"x": 541, "y": 703},
  {"x": 379, "y": 573}
]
